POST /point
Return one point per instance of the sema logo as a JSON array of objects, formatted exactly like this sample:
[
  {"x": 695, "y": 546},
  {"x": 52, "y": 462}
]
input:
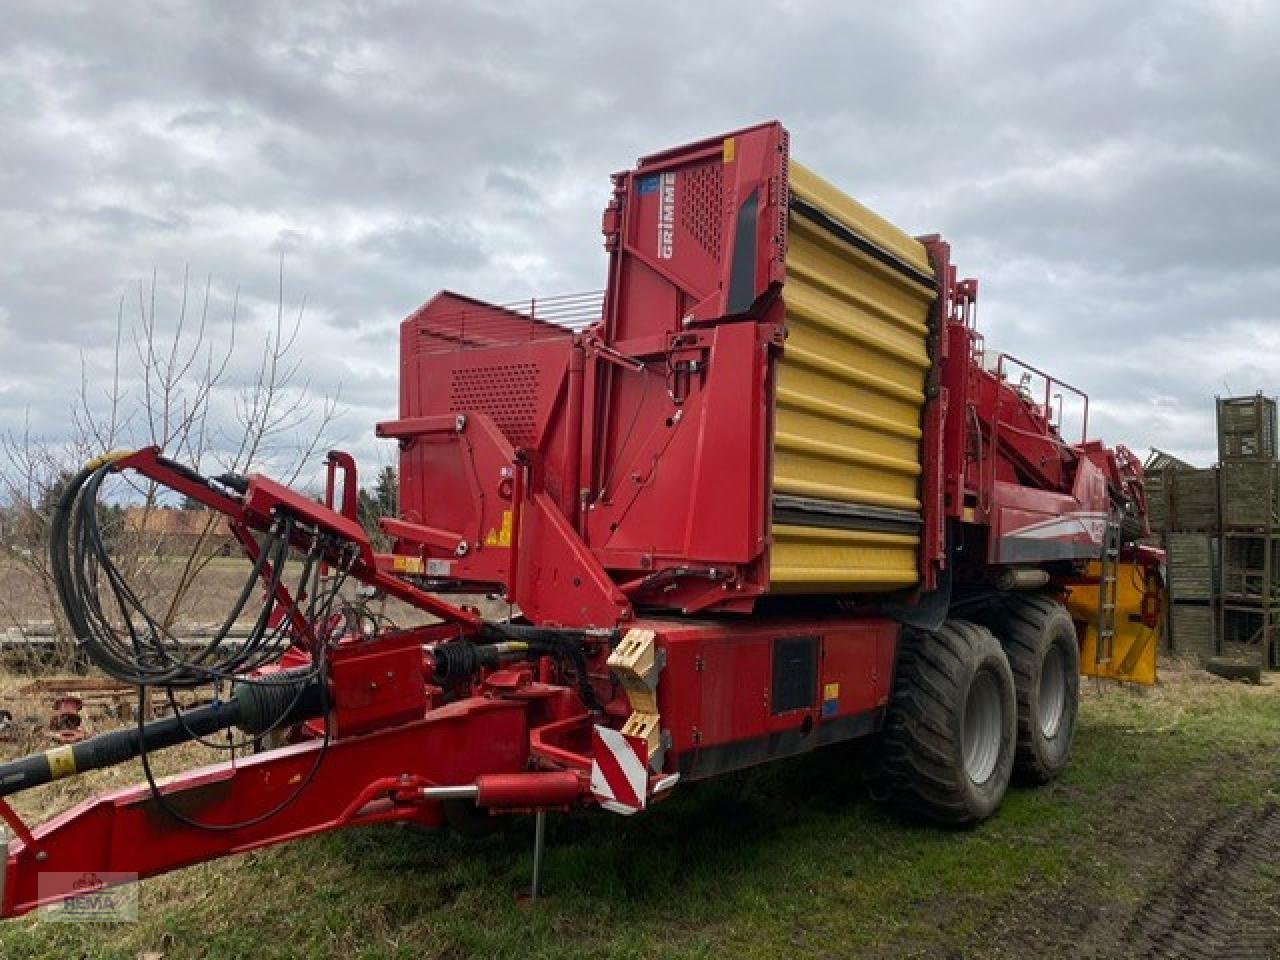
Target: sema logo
[
  {"x": 94, "y": 897},
  {"x": 666, "y": 215}
]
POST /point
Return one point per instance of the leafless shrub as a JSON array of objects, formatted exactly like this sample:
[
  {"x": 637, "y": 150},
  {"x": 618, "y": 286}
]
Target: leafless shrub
[{"x": 173, "y": 384}]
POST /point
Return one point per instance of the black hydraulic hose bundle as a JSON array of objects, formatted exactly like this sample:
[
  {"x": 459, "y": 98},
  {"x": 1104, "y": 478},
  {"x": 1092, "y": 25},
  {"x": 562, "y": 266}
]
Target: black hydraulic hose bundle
[
  {"x": 122, "y": 637},
  {"x": 459, "y": 659}
]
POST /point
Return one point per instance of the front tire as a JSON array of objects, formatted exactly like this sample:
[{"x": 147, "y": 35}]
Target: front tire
[
  {"x": 949, "y": 735},
  {"x": 1040, "y": 640}
]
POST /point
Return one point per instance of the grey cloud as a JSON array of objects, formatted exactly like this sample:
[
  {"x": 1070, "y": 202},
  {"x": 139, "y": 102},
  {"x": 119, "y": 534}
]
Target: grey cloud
[
  {"x": 423, "y": 240},
  {"x": 1107, "y": 170}
]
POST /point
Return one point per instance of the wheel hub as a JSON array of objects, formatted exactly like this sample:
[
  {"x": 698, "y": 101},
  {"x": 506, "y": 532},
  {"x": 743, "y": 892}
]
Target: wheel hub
[
  {"x": 1053, "y": 693},
  {"x": 983, "y": 713}
]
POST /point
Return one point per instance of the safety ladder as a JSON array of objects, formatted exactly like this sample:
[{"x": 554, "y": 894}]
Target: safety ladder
[{"x": 1106, "y": 626}]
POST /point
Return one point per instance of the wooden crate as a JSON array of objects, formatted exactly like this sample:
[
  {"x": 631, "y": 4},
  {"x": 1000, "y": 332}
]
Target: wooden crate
[
  {"x": 1193, "y": 500},
  {"x": 1157, "y": 487},
  {"x": 1247, "y": 427},
  {"x": 1250, "y": 495},
  {"x": 1250, "y": 633},
  {"x": 1251, "y": 568},
  {"x": 1191, "y": 565},
  {"x": 1155, "y": 478},
  {"x": 1192, "y": 630}
]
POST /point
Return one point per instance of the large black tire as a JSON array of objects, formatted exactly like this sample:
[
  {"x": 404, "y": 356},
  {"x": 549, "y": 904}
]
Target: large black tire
[
  {"x": 948, "y": 741},
  {"x": 1040, "y": 639}
]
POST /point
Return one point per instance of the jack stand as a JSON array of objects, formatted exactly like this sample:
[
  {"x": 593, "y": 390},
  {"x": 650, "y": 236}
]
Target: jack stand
[{"x": 539, "y": 842}]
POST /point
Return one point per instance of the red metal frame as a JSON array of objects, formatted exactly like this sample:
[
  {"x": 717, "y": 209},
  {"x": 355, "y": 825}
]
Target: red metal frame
[{"x": 335, "y": 461}]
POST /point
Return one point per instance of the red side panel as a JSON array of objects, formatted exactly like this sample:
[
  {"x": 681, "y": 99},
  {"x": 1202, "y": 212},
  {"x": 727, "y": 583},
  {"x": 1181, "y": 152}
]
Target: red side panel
[
  {"x": 678, "y": 436},
  {"x": 740, "y": 692},
  {"x": 507, "y": 375},
  {"x": 691, "y": 488}
]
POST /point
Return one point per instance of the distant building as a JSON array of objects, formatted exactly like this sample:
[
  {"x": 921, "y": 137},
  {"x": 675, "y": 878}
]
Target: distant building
[{"x": 178, "y": 532}]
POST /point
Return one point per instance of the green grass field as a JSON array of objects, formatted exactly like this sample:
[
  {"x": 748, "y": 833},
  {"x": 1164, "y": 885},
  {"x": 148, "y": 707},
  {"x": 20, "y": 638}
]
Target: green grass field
[{"x": 790, "y": 860}]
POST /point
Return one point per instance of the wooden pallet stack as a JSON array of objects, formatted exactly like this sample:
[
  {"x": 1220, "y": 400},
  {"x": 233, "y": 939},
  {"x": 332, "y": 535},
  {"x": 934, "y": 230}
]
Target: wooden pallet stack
[
  {"x": 1192, "y": 574},
  {"x": 1182, "y": 506},
  {"x": 1249, "y": 493},
  {"x": 1220, "y": 529}
]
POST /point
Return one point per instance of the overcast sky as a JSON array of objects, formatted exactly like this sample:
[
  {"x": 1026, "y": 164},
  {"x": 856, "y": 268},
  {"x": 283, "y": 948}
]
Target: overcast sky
[{"x": 1108, "y": 171}]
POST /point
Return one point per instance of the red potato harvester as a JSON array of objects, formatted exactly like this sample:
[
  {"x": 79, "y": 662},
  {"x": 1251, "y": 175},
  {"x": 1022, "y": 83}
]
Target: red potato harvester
[{"x": 771, "y": 493}]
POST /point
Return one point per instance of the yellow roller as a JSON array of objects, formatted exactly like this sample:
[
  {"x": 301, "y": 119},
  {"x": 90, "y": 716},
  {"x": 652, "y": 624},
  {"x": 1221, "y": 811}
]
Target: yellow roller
[{"x": 850, "y": 391}]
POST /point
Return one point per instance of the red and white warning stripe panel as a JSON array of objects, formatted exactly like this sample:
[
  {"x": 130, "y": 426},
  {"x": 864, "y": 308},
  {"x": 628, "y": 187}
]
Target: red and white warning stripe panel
[
  {"x": 619, "y": 772},
  {"x": 619, "y": 777}
]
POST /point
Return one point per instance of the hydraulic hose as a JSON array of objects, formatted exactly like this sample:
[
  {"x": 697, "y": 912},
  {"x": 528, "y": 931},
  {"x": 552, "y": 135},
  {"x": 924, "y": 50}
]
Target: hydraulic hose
[
  {"x": 563, "y": 644},
  {"x": 459, "y": 659},
  {"x": 254, "y": 708}
]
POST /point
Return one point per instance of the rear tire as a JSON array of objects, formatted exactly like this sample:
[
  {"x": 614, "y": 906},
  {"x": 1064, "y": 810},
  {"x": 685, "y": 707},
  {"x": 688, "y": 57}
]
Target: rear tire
[
  {"x": 950, "y": 730},
  {"x": 1039, "y": 638}
]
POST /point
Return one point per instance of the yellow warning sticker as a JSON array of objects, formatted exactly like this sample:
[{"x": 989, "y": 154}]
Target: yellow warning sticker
[
  {"x": 730, "y": 149},
  {"x": 410, "y": 565},
  {"x": 831, "y": 691},
  {"x": 502, "y": 536},
  {"x": 62, "y": 762}
]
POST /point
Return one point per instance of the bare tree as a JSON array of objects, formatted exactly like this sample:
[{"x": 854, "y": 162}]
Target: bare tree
[
  {"x": 174, "y": 385},
  {"x": 33, "y": 477}
]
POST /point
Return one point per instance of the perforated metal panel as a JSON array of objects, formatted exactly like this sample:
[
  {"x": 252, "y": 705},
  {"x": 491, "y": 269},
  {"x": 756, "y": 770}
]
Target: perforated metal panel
[
  {"x": 506, "y": 392},
  {"x": 700, "y": 210}
]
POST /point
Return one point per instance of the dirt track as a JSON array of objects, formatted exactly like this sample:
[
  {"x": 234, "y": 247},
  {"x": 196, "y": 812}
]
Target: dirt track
[{"x": 1218, "y": 903}]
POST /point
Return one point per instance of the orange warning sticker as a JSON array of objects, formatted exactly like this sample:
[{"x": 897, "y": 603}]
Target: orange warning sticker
[{"x": 500, "y": 537}]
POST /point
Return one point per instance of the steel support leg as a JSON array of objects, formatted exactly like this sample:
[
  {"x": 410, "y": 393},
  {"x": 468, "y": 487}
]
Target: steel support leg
[{"x": 539, "y": 843}]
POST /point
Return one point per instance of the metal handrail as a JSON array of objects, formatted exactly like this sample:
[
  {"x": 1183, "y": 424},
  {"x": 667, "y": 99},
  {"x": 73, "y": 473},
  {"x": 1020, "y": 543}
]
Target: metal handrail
[{"x": 1049, "y": 382}]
